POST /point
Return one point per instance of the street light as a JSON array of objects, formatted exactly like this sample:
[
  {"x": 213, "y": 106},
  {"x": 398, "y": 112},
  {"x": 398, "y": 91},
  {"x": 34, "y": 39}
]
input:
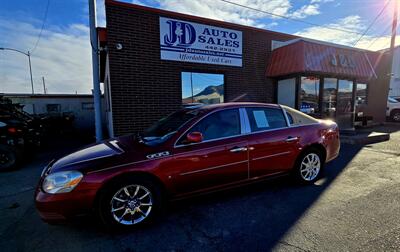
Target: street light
[{"x": 29, "y": 59}]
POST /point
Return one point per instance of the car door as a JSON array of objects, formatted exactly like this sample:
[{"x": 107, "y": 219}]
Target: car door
[
  {"x": 273, "y": 145},
  {"x": 220, "y": 159}
]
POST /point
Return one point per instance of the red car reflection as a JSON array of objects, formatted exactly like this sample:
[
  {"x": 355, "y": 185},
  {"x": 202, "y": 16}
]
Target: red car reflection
[{"x": 198, "y": 149}]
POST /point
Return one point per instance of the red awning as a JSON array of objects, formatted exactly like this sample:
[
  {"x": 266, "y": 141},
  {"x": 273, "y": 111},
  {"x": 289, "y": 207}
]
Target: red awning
[{"x": 317, "y": 58}]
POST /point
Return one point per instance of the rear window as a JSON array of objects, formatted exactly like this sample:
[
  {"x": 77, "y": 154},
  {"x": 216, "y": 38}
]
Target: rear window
[{"x": 297, "y": 118}]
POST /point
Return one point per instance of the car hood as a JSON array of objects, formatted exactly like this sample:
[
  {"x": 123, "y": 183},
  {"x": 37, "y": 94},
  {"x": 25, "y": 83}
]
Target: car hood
[{"x": 99, "y": 155}]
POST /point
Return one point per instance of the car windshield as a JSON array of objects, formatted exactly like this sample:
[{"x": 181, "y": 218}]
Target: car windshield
[
  {"x": 168, "y": 126},
  {"x": 392, "y": 100}
]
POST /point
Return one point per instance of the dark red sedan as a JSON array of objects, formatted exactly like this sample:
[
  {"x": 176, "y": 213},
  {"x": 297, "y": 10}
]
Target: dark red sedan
[{"x": 195, "y": 150}]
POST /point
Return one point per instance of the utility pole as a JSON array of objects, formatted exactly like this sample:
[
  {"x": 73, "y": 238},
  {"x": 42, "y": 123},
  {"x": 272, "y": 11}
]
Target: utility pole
[
  {"x": 394, "y": 28},
  {"x": 44, "y": 86},
  {"x": 392, "y": 45},
  {"x": 30, "y": 71},
  {"x": 95, "y": 68}
]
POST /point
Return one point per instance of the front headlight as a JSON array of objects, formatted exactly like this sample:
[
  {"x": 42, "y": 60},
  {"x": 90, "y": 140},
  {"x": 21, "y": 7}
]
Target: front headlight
[{"x": 61, "y": 182}]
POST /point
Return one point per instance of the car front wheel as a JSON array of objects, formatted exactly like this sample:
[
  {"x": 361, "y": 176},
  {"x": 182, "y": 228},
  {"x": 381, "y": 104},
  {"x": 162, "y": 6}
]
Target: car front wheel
[
  {"x": 130, "y": 203},
  {"x": 309, "y": 166}
]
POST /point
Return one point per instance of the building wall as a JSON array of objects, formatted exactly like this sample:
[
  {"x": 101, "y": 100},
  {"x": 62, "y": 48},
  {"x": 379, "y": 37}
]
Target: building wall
[
  {"x": 144, "y": 88},
  {"x": 378, "y": 89}
]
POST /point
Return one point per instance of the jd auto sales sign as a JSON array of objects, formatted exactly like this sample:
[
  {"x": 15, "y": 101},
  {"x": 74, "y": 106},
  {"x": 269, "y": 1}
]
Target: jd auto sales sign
[{"x": 192, "y": 42}]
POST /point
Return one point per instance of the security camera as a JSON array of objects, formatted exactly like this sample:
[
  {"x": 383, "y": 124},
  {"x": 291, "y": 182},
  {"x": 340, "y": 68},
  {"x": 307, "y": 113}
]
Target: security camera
[{"x": 118, "y": 46}]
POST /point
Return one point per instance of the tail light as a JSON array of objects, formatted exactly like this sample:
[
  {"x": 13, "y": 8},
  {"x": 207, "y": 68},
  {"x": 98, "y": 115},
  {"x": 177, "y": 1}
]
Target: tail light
[{"x": 12, "y": 130}]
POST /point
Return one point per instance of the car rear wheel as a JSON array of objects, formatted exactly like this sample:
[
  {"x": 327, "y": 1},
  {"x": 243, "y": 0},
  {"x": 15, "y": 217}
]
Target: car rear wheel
[
  {"x": 396, "y": 115},
  {"x": 8, "y": 158},
  {"x": 309, "y": 166},
  {"x": 130, "y": 203}
]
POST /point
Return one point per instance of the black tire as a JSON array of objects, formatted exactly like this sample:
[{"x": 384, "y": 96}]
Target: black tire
[
  {"x": 8, "y": 158},
  {"x": 299, "y": 172},
  {"x": 106, "y": 202},
  {"x": 395, "y": 115}
]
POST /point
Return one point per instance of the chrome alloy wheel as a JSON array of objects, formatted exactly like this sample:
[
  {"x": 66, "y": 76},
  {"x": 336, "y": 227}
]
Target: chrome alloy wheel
[
  {"x": 396, "y": 117},
  {"x": 131, "y": 204},
  {"x": 310, "y": 167}
]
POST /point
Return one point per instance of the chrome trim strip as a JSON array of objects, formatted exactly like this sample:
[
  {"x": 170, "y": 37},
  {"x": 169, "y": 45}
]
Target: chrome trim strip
[
  {"x": 246, "y": 121},
  {"x": 212, "y": 168},
  {"x": 121, "y": 165},
  {"x": 273, "y": 155},
  {"x": 242, "y": 123},
  {"x": 91, "y": 159}
]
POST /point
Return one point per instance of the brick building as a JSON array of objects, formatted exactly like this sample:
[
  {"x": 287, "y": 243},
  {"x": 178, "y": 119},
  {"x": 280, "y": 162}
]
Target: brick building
[{"x": 157, "y": 60}]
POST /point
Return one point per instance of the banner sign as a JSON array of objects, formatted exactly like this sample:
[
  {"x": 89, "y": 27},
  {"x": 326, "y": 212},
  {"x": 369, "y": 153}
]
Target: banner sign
[{"x": 192, "y": 42}]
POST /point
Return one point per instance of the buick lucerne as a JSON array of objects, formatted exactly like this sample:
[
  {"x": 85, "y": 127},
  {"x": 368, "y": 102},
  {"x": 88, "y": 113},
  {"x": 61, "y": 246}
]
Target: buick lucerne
[{"x": 197, "y": 149}]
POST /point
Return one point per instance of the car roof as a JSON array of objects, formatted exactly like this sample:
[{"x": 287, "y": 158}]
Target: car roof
[{"x": 234, "y": 105}]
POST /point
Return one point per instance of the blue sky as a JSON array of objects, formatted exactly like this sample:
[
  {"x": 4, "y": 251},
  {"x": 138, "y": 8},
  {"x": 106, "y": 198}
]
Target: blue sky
[{"x": 63, "y": 54}]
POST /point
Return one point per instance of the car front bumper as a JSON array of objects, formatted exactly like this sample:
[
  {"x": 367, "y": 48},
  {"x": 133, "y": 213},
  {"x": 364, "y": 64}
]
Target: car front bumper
[{"x": 62, "y": 206}]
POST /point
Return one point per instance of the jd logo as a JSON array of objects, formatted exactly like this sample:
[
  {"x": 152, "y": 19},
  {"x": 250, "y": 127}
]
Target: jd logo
[{"x": 180, "y": 34}]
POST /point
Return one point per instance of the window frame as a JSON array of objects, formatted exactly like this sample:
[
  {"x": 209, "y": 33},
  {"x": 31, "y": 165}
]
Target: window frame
[
  {"x": 266, "y": 130},
  {"x": 292, "y": 125},
  {"x": 244, "y": 125},
  {"x": 241, "y": 121},
  {"x": 191, "y": 71},
  {"x": 49, "y": 105}
]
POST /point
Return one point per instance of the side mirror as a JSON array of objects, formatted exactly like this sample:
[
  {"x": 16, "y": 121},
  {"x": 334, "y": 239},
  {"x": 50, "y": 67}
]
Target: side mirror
[{"x": 194, "y": 137}]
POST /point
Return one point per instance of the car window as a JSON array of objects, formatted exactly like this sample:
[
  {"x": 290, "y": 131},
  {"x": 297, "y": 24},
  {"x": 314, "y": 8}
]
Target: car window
[
  {"x": 265, "y": 118},
  {"x": 219, "y": 124},
  {"x": 297, "y": 118}
]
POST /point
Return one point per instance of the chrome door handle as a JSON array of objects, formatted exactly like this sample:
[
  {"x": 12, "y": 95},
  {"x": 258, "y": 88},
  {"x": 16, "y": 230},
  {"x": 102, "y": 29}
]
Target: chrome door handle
[
  {"x": 238, "y": 149},
  {"x": 291, "y": 139}
]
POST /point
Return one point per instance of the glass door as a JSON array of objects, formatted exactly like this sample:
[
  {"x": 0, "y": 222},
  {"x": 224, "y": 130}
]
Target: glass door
[
  {"x": 329, "y": 97},
  {"x": 344, "y": 108}
]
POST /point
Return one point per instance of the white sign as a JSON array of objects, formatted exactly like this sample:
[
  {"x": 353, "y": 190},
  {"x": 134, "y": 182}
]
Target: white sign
[{"x": 192, "y": 42}]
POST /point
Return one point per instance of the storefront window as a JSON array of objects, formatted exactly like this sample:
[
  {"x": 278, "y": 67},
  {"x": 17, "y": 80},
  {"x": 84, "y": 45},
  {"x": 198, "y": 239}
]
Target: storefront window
[
  {"x": 309, "y": 95},
  {"x": 329, "y": 97},
  {"x": 202, "y": 88},
  {"x": 361, "y": 94}
]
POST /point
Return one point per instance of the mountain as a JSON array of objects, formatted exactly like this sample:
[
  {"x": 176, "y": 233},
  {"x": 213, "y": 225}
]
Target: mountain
[{"x": 210, "y": 90}]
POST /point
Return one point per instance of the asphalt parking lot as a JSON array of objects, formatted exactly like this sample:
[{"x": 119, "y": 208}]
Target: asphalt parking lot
[{"x": 355, "y": 207}]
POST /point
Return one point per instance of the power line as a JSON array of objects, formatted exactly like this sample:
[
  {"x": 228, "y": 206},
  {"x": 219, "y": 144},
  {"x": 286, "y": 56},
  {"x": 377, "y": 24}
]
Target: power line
[
  {"x": 372, "y": 23},
  {"x": 43, "y": 22},
  {"x": 380, "y": 36},
  {"x": 289, "y": 18}
]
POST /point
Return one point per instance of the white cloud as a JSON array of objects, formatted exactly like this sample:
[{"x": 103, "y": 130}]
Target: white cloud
[
  {"x": 63, "y": 57},
  {"x": 321, "y": 1},
  {"x": 231, "y": 13},
  {"x": 351, "y": 23},
  {"x": 305, "y": 11}
]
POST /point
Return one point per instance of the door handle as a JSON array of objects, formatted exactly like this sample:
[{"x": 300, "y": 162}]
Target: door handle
[
  {"x": 238, "y": 149},
  {"x": 291, "y": 139}
]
